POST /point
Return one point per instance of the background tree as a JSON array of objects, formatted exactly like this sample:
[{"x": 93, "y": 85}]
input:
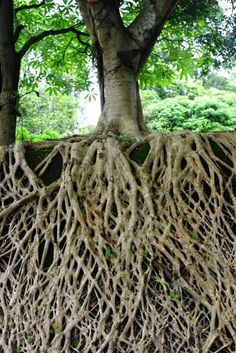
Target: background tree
[
  {"x": 42, "y": 112},
  {"x": 22, "y": 26},
  {"x": 220, "y": 82}
]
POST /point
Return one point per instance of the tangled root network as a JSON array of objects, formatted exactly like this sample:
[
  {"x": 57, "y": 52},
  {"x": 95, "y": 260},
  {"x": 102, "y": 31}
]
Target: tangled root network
[{"x": 112, "y": 249}]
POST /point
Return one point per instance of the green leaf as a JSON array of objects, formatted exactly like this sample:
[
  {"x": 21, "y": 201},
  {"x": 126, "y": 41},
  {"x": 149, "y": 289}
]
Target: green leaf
[
  {"x": 15, "y": 349},
  {"x": 108, "y": 252},
  {"x": 75, "y": 343}
]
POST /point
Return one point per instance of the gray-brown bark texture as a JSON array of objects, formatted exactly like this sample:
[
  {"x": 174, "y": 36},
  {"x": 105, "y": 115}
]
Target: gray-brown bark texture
[
  {"x": 109, "y": 249},
  {"x": 9, "y": 74},
  {"x": 121, "y": 54}
]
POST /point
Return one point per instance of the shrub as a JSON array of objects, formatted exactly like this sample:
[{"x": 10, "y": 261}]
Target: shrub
[{"x": 214, "y": 111}]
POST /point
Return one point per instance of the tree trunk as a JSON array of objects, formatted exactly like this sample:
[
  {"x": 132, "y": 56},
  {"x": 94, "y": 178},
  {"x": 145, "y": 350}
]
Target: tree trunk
[
  {"x": 122, "y": 110},
  {"x": 121, "y": 53},
  {"x": 9, "y": 74},
  {"x": 118, "y": 58}
]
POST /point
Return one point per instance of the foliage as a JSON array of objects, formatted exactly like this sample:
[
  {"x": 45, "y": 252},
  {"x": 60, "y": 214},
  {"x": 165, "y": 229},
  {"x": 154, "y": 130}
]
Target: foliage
[
  {"x": 15, "y": 349},
  {"x": 86, "y": 129},
  {"x": 22, "y": 134},
  {"x": 196, "y": 109},
  {"x": 149, "y": 97},
  {"x": 57, "y": 113},
  {"x": 109, "y": 252},
  {"x": 197, "y": 37},
  {"x": 172, "y": 294},
  {"x": 220, "y": 82},
  {"x": 55, "y": 58}
]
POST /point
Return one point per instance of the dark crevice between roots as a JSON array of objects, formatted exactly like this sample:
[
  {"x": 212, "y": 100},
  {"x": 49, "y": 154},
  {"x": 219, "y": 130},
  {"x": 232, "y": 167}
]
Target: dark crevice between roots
[
  {"x": 35, "y": 157},
  {"x": 219, "y": 153},
  {"x": 140, "y": 153},
  {"x": 53, "y": 172}
]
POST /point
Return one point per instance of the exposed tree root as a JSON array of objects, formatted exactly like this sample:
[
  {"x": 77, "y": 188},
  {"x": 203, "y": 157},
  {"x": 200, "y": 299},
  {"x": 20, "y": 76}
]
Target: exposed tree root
[{"x": 103, "y": 253}]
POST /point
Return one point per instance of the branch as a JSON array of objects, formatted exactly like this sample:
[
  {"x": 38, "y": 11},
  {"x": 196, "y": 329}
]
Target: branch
[
  {"x": 63, "y": 54},
  {"x": 148, "y": 25},
  {"x": 101, "y": 13},
  {"x": 28, "y": 7},
  {"x": 78, "y": 35},
  {"x": 19, "y": 27},
  {"x": 52, "y": 32}
]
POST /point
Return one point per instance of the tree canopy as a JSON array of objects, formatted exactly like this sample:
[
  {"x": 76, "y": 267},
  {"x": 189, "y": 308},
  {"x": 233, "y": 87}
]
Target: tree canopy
[
  {"x": 53, "y": 37},
  {"x": 197, "y": 37}
]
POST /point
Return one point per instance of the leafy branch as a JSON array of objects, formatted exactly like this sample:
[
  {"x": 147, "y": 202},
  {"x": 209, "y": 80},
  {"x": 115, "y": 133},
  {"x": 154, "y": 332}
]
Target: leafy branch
[
  {"x": 29, "y": 7},
  {"x": 51, "y": 32}
]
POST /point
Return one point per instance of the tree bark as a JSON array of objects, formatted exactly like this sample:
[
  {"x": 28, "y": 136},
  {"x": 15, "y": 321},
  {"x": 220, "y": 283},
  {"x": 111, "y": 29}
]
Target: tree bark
[
  {"x": 9, "y": 74},
  {"x": 122, "y": 110}
]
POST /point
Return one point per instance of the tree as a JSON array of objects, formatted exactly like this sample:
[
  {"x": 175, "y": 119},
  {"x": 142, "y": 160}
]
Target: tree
[
  {"x": 121, "y": 54},
  {"x": 9, "y": 74},
  {"x": 56, "y": 112},
  {"x": 15, "y": 43},
  {"x": 220, "y": 82},
  {"x": 122, "y": 51},
  {"x": 109, "y": 245},
  {"x": 207, "y": 40}
]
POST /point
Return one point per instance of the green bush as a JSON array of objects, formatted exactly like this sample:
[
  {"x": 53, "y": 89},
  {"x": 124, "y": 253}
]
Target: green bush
[
  {"x": 212, "y": 110},
  {"x": 167, "y": 115},
  {"x": 24, "y": 134}
]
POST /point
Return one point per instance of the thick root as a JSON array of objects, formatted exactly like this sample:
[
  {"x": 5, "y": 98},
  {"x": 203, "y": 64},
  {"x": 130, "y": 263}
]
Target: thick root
[{"x": 103, "y": 250}]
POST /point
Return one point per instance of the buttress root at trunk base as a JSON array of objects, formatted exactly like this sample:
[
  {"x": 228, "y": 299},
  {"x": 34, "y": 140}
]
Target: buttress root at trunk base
[{"x": 105, "y": 248}]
